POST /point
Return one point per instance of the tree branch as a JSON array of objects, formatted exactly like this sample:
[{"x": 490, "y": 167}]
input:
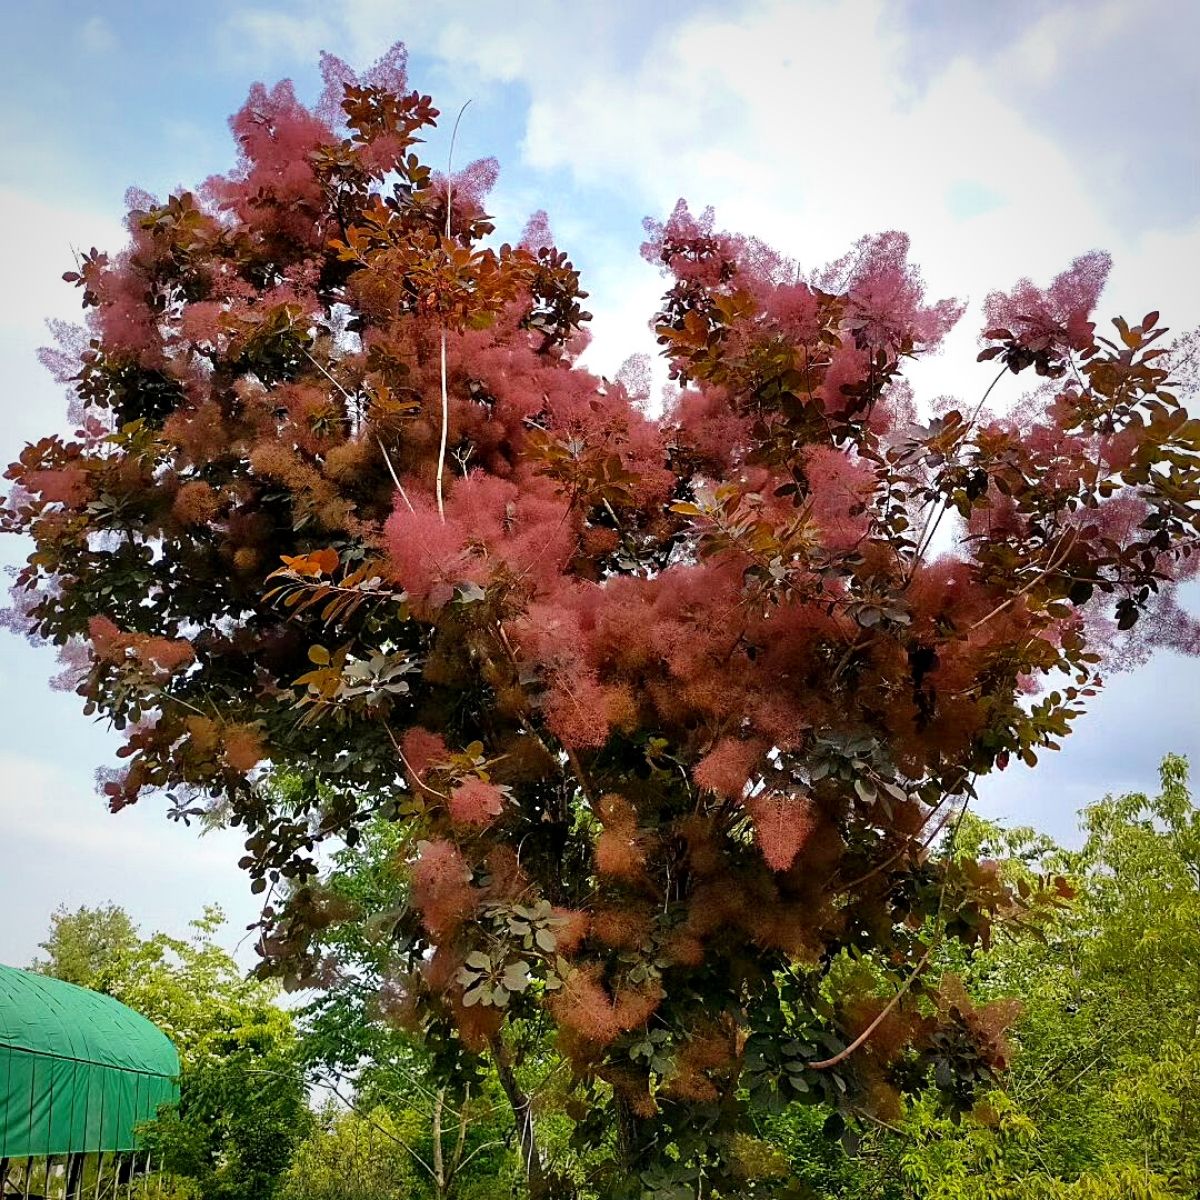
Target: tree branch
[{"x": 519, "y": 1102}]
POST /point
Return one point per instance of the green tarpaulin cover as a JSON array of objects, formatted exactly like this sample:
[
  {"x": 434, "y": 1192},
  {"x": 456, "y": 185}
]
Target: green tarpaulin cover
[{"x": 78, "y": 1070}]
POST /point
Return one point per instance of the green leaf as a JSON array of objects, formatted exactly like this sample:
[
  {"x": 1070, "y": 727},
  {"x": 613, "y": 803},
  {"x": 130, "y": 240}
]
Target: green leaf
[
  {"x": 516, "y": 976},
  {"x": 866, "y": 791}
]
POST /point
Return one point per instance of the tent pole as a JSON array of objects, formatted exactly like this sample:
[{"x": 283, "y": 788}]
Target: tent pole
[
  {"x": 99, "y": 1148},
  {"x": 28, "y": 1176},
  {"x": 74, "y": 1177}
]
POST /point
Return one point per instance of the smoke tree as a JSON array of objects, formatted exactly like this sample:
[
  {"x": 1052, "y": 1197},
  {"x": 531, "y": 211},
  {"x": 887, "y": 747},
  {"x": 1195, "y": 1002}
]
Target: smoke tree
[{"x": 670, "y": 708}]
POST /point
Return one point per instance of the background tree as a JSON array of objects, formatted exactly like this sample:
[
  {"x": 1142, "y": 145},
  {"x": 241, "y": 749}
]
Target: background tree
[
  {"x": 85, "y": 946},
  {"x": 348, "y": 1156},
  {"x": 669, "y": 710},
  {"x": 243, "y": 1101},
  {"x": 1102, "y": 1101},
  {"x": 454, "y": 1127}
]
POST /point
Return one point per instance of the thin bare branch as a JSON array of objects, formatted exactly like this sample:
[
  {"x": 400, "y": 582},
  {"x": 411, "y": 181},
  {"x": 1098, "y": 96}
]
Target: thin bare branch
[
  {"x": 392, "y": 473},
  {"x": 441, "y": 465}
]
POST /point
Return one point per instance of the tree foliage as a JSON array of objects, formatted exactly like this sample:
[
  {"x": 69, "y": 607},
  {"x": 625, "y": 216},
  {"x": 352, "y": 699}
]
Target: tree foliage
[
  {"x": 88, "y": 947},
  {"x": 242, "y": 1100},
  {"x": 1102, "y": 1101},
  {"x": 454, "y": 1134},
  {"x": 1099, "y": 1102},
  {"x": 352, "y": 1157},
  {"x": 667, "y": 710}
]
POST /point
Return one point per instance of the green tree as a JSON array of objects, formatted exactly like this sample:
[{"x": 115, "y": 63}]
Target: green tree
[
  {"x": 351, "y": 1157},
  {"x": 445, "y": 1111},
  {"x": 83, "y": 946},
  {"x": 1103, "y": 1102},
  {"x": 243, "y": 1102}
]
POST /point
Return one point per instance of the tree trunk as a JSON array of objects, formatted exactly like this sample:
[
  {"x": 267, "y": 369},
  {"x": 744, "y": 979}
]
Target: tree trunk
[
  {"x": 628, "y": 1150},
  {"x": 535, "y": 1176},
  {"x": 461, "y": 1143},
  {"x": 439, "y": 1166},
  {"x": 625, "y": 1139}
]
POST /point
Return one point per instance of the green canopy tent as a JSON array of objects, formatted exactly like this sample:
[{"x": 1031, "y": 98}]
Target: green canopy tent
[{"x": 78, "y": 1070}]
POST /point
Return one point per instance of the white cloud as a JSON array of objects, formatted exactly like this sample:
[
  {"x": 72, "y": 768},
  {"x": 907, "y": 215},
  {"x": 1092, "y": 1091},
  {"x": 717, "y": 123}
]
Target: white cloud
[
  {"x": 802, "y": 123},
  {"x": 1116, "y": 747},
  {"x": 96, "y": 36},
  {"x": 799, "y": 122},
  {"x": 261, "y": 38},
  {"x": 38, "y": 244}
]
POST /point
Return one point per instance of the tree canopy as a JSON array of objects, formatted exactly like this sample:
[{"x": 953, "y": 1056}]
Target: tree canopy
[
  {"x": 88, "y": 946},
  {"x": 242, "y": 1104},
  {"x": 667, "y": 709},
  {"x": 1099, "y": 1103}
]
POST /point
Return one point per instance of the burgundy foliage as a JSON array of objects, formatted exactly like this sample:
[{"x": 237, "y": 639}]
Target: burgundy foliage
[{"x": 673, "y": 705}]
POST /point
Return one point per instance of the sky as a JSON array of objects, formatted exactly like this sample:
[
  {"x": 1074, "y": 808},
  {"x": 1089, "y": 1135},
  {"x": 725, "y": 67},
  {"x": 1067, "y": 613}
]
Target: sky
[{"x": 1005, "y": 138}]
